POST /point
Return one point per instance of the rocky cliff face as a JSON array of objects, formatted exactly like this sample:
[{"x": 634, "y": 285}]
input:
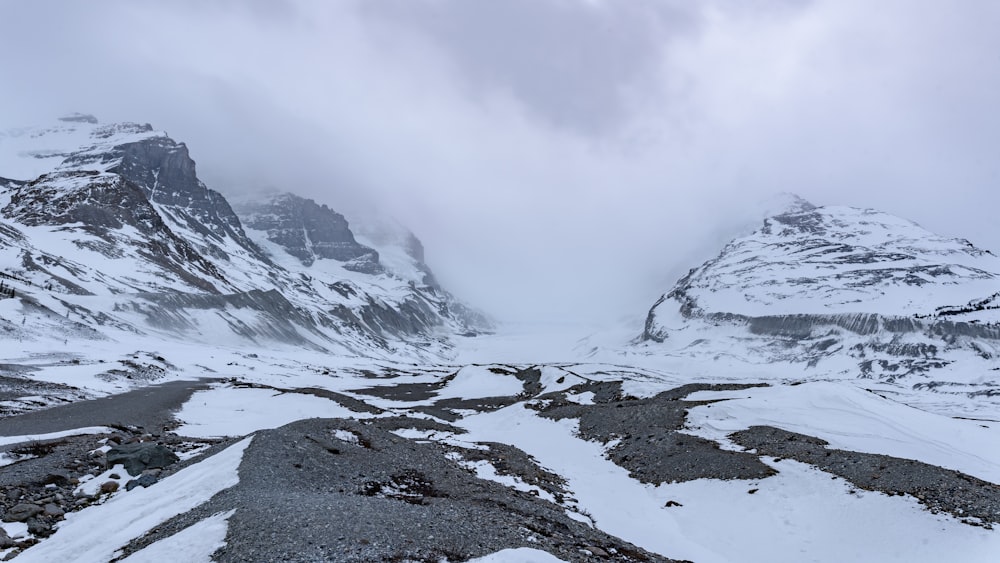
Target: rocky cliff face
[
  {"x": 848, "y": 290},
  {"x": 308, "y": 231},
  {"x": 110, "y": 225}
]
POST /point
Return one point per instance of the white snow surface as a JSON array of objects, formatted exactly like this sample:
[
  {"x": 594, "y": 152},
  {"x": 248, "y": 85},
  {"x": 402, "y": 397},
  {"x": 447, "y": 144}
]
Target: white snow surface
[
  {"x": 853, "y": 419},
  {"x": 194, "y": 544},
  {"x": 5, "y": 440},
  {"x": 518, "y": 555},
  {"x": 478, "y": 381},
  {"x": 801, "y": 514},
  {"x": 236, "y": 412},
  {"x": 28, "y": 152}
]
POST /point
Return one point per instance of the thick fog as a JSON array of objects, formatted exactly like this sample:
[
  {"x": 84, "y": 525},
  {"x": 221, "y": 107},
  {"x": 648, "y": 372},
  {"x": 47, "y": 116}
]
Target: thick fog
[{"x": 560, "y": 159}]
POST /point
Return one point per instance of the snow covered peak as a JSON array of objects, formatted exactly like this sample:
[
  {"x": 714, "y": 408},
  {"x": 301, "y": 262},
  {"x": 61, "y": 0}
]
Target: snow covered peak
[
  {"x": 839, "y": 260},
  {"x": 76, "y": 142}
]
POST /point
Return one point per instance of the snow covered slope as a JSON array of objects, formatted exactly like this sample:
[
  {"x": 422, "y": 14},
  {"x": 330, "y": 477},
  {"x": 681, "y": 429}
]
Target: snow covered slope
[
  {"x": 842, "y": 292},
  {"x": 107, "y": 228}
]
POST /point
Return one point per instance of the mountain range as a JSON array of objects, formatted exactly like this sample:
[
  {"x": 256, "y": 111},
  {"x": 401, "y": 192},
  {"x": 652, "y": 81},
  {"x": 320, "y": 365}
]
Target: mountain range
[
  {"x": 108, "y": 229},
  {"x": 190, "y": 376}
]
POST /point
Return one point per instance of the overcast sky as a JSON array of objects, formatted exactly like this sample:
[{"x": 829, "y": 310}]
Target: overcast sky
[{"x": 560, "y": 159}]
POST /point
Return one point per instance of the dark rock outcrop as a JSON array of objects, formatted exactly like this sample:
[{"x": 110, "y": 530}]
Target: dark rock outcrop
[
  {"x": 309, "y": 231},
  {"x": 139, "y": 456}
]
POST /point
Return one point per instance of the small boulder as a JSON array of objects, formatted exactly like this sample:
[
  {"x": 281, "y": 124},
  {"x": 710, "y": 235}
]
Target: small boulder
[
  {"x": 21, "y": 512},
  {"x": 56, "y": 478},
  {"x": 144, "y": 480},
  {"x": 39, "y": 528},
  {"x": 53, "y": 509},
  {"x": 109, "y": 486},
  {"x": 5, "y": 540},
  {"x": 140, "y": 456}
]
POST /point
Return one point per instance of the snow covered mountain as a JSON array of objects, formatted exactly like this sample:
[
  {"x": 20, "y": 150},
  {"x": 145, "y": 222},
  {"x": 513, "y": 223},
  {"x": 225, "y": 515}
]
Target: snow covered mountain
[
  {"x": 107, "y": 228},
  {"x": 846, "y": 291}
]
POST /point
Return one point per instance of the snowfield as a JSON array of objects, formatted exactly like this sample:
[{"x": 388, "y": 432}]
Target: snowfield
[{"x": 799, "y": 514}]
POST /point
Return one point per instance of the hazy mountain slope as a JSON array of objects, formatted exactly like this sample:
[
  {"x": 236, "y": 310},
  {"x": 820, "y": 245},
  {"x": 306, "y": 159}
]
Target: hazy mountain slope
[
  {"x": 117, "y": 226},
  {"x": 845, "y": 291}
]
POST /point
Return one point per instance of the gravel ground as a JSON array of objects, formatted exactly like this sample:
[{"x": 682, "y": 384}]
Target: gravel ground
[
  {"x": 149, "y": 408},
  {"x": 310, "y": 493},
  {"x": 305, "y": 495},
  {"x": 648, "y": 442}
]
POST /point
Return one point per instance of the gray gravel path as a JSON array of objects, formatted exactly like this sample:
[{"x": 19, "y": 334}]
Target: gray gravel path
[{"x": 150, "y": 408}]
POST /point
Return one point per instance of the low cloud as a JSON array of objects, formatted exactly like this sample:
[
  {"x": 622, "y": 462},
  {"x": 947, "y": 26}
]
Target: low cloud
[{"x": 561, "y": 159}]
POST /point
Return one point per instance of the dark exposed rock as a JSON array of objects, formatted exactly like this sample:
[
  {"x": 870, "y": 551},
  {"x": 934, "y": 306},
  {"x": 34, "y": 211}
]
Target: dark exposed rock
[
  {"x": 165, "y": 172},
  {"x": 144, "y": 480},
  {"x": 139, "y": 456},
  {"x": 79, "y": 118},
  {"x": 104, "y": 203},
  {"x": 39, "y": 527},
  {"x": 309, "y": 231},
  {"x": 21, "y": 512},
  {"x": 5, "y": 540}
]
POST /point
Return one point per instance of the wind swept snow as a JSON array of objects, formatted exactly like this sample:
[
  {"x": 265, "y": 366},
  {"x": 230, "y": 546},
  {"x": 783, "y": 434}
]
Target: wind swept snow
[{"x": 853, "y": 419}]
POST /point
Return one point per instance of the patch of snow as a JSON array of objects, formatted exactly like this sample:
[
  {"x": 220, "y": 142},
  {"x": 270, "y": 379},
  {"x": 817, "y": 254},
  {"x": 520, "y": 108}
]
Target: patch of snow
[
  {"x": 194, "y": 544},
  {"x": 518, "y": 555},
  {"x": 5, "y": 440},
  {"x": 227, "y": 411},
  {"x": 478, "y": 381}
]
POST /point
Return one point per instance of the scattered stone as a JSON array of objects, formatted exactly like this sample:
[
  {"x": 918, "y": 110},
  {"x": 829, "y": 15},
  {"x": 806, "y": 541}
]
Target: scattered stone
[
  {"x": 52, "y": 509},
  {"x": 114, "y": 476},
  {"x": 14, "y": 494},
  {"x": 109, "y": 486},
  {"x": 21, "y": 512}
]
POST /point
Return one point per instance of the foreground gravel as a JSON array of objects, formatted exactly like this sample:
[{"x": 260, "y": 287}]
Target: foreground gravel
[
  {"x": 306, "y": 494},
  {"x": 648, "y": 441}
]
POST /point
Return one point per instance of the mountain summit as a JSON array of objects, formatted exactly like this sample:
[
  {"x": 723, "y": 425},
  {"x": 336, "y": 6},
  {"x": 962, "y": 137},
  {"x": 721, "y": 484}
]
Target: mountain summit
[
  {"x": 108, "y": 228},
  {"x": 854, "y": 290}
]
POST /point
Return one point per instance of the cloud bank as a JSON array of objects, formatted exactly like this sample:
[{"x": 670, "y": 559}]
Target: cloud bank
[{"x": 561, "y": 159}]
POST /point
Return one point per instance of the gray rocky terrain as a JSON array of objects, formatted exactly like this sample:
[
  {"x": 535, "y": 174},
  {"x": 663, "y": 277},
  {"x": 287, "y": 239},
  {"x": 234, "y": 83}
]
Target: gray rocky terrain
[{"x": 350, "y": 489}]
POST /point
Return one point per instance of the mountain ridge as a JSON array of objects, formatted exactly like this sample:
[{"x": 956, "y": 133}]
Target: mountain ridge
[{"x": 123, "y": 216}]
